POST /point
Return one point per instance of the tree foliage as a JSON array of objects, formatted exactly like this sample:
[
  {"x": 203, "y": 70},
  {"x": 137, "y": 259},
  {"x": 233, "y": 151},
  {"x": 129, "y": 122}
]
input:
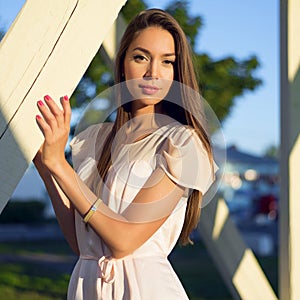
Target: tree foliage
[
  {"x": 189, "y": 24},
  {"x": 223, "y": 80},
  {"x": 272, "y": 151},
  {"x": 1, "y": 30}
]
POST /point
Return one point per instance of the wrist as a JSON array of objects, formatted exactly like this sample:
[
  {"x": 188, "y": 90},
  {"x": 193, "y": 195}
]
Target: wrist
[
  {"x": 56, "y": 166},
  {"x": 40, "y": 166}
]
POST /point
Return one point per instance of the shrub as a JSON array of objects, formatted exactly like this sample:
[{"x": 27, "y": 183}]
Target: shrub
[{"x": 23, "y": 212}]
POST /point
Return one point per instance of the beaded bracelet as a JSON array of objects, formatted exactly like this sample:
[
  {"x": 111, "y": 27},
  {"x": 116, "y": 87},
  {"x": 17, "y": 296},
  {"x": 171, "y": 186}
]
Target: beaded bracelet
[{"x": 92, "y": 210}]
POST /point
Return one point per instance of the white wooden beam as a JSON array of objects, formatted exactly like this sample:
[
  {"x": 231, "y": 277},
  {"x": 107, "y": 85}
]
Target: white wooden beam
[
  {"x": 26, "y": 48},
  {"x": 46, "y": 51},
  {"x": 289, "y": 254},
  {"x": 235, "y": 261},
  {"x": 112, "y": 41}
]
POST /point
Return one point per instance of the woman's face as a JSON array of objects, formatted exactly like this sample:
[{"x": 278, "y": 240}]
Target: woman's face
[{"x": 150, "y": 60}]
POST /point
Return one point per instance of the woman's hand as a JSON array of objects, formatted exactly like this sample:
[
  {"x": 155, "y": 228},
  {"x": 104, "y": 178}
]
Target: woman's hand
[{"x": 55, "y": 126}]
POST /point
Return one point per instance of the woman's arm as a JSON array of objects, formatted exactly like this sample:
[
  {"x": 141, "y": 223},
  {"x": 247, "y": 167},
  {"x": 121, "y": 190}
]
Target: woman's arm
[
  {"x": 63, "y": 208},
  {"x": 120, "y": 236}
]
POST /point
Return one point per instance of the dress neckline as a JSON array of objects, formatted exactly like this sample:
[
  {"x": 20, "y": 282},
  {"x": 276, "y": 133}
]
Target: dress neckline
[{"x": 147, "y": 136}]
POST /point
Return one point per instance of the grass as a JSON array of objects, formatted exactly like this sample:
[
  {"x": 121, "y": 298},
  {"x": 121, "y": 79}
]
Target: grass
[
  {"x": 58, "y": 247},
  {"x": 27, "y": 280},
  {"x": 22, "y": 281},
  {"x": 42, "y": 280}
]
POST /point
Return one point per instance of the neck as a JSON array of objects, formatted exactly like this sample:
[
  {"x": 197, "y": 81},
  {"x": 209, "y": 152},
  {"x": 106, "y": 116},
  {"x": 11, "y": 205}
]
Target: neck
[
  {"x": 139, "y": 109},
  {"x": 145, "y": 120}
]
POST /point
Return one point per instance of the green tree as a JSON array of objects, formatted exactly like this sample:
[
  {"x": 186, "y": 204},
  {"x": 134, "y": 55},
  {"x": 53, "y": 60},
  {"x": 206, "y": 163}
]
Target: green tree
[
  {"x": 272, "y": 151},
  {"x": 221, "y": 81},
  {"x": 1, "y": 31}
]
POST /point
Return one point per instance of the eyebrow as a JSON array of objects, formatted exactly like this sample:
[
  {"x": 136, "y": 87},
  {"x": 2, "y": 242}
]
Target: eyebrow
[{"x": 148, "y": 52}]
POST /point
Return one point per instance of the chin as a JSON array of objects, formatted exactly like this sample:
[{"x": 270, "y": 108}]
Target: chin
[{"x": 148, "y": 101}]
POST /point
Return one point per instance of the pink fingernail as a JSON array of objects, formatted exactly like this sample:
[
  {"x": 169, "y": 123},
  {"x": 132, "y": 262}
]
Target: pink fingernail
[
  {"x": 40, "y": 103},
  {"x": 38, "y": 117},
  {"x": 66, "y": 98},
  {"x": 47, "y": 98}
]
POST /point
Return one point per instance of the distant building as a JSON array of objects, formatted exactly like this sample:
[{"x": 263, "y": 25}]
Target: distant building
[{"x": 250, "y": 184}]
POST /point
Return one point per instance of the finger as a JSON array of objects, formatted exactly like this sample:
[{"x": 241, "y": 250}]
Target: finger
[
  {"x": 67, "y": 110},
  {"x": 47, "y": 115},
  {"x": 55, "y": 110},
  {"x": 44, "y": 126}
]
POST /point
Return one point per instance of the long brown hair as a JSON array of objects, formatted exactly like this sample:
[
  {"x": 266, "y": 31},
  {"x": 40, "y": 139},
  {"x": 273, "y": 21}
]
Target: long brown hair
[{"x": 184, "y": 73}]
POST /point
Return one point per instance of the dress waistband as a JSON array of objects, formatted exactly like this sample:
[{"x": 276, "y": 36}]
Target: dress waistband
[
  {"x": 108, "y": 274},
  {"x": 106, "y": 266}
]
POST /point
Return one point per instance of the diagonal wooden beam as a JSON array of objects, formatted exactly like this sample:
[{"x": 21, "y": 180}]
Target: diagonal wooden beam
[
  {"x": 235, "y": 261},
  {"x": 25, "y": 48},
  {"x": 112, "y": 41},
  {"x": 46, "y": 51}
]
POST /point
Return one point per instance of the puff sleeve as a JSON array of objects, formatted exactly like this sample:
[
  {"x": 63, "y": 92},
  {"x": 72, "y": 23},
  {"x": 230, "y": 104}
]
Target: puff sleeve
[{"x": 186, "y": 162}]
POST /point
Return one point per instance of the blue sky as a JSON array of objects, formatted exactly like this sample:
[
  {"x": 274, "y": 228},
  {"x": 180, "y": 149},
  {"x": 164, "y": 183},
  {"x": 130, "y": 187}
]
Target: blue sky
[{"x": 241, "y": 29}]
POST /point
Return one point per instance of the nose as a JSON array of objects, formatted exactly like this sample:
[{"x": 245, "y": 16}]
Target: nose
[{"x": 152, "y": 70}]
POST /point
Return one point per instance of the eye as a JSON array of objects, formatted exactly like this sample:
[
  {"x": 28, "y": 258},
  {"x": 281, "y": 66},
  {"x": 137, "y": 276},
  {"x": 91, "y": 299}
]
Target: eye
[
  {"x": 169, "y": 62},
  {"x": 139, "y": 57}
]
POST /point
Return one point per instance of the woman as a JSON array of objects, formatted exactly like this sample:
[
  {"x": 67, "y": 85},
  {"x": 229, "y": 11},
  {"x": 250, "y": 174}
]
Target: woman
[{"x": 124, "y": 214}]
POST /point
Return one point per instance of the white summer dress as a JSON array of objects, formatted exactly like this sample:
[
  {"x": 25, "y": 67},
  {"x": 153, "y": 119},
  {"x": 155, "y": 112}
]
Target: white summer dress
[{"x": 146, "y": 274}]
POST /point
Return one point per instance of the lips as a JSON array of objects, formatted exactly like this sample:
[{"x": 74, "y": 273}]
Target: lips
[{"x": 149, "y": 89}]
